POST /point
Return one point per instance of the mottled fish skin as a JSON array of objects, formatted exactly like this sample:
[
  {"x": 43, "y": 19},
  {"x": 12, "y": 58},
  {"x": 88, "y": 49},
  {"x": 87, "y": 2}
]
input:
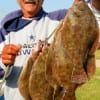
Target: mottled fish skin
[
  {"x": 72, "y": 43},
  {"x": 23, "y": 82},
  {"x": 38, "y": 86},
  {"x": 60, "y": 69},
  {"x": 70, "y": 49}
]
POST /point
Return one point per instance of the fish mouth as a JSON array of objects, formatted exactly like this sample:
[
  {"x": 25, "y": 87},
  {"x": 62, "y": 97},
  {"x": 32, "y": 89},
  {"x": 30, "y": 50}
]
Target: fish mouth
[{"x": 30, "y": 1}]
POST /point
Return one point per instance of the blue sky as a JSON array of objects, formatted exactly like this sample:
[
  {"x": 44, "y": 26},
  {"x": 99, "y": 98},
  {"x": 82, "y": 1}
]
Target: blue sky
[{"x": 7, "y": 6}]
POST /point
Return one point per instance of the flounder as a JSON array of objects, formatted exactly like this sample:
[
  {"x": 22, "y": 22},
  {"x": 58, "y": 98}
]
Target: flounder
[{"x": 66, "y": 63}]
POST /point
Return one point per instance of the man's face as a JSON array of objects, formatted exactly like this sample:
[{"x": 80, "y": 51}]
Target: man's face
[{"x": 30, "y": 7}]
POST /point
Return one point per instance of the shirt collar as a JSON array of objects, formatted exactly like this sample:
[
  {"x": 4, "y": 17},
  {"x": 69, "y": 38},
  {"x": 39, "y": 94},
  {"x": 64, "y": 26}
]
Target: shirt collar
[{"x": 18, "y": 13}]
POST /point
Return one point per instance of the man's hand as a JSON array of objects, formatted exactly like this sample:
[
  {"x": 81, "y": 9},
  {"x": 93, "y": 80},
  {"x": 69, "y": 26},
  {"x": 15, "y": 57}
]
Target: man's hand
[
  {"x": 39, "y": 47},
  {"x": 9, "y": 53}
]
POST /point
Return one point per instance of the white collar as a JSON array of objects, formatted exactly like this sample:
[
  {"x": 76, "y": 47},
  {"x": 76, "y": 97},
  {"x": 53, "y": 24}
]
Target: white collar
[{"x": 27, "y": 18}]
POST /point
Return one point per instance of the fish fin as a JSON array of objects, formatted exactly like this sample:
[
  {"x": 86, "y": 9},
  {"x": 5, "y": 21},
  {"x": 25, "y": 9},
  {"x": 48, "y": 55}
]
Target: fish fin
[
  {"x": 91, "y": 67},
  {"x": 79, "y": 76}
]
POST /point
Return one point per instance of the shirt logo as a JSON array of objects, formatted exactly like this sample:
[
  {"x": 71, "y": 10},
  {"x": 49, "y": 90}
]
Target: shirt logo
[
  {"x": 31, "y": 39},
  {"x": 29, "y": 45}
]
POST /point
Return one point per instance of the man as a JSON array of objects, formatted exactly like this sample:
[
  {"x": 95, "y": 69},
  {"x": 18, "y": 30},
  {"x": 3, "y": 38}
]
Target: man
[
  {"x": 95, "y": 8},
  {"x": 24, "y": 27}
]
